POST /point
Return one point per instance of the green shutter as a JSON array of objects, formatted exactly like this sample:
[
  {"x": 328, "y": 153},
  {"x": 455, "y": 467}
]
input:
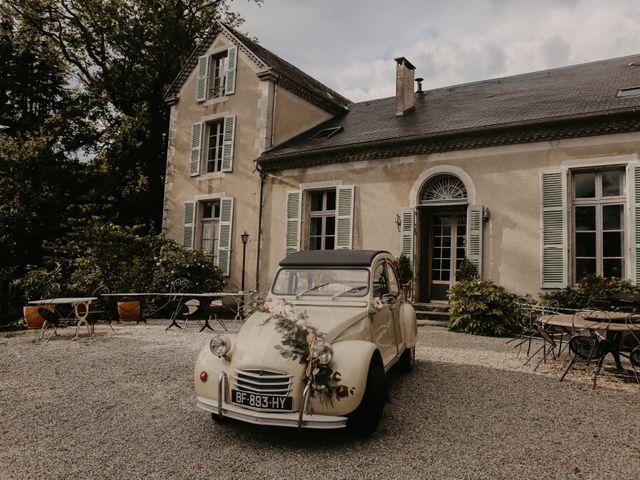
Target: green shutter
[
  {"x": 474, "y": 236},
  {"x": 203, "y": 77},
  {"x": 188, "y": 225},
  {"x": 345, "y": 199},
  {"x": 232, "y": 61},
  {"x": 634, "y": 196},
  {"x": 227, "y": 143},
  {"x": 553, "y": 226},
  {"x": 224, "y": 235},
  {"x": 293, "y": 214},
  {"x": 196, "y": 147},
  {"x": 406, "y": 233}
]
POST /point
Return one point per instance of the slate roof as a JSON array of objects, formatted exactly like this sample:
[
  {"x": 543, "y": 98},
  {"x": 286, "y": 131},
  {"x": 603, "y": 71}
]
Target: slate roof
[
  {"x": 579, "y": 100},
  {"x": 288, "y": 76}
]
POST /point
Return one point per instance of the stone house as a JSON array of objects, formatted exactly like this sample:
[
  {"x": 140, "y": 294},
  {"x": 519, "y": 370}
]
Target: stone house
[{"x": 532, "y": 177}]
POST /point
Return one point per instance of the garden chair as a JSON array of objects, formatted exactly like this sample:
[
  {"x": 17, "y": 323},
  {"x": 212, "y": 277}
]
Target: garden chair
[
  {"x": 189, "y": 309},
  {"x": 51, "y": 319},
  {"x": 589, "y": 344}
]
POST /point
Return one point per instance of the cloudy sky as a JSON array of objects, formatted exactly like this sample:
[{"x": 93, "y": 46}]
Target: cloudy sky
[{"x": 350, "y": 44}]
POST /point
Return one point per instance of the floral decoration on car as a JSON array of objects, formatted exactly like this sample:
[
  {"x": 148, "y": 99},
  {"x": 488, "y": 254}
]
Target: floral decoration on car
[
  {"x": 375, "y": 305},
  {"x": 301, "y": 342}
]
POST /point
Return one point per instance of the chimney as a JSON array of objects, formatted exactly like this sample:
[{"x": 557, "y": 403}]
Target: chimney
[{"x": 405, "y": 99}]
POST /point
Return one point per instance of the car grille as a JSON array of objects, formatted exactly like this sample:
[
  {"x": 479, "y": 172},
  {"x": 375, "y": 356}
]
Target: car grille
[{"x": 257, "y": 380}]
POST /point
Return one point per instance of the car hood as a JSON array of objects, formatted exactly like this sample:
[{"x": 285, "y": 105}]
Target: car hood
[{"x": 258, "y": 336}]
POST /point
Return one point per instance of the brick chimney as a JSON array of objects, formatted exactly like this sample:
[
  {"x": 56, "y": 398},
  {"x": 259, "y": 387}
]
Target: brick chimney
[{"x": 405, "y": 99}]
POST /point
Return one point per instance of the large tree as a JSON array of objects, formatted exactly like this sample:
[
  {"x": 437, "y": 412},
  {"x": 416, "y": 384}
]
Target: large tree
[{"x": 125, "y": 54}]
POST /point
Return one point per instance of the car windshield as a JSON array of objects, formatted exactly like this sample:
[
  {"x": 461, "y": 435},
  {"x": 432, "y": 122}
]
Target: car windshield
[{"x": 322, "y": 282}]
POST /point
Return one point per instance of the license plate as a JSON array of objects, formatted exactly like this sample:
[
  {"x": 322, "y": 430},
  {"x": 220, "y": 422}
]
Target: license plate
[{"x": 256, "y": 400}]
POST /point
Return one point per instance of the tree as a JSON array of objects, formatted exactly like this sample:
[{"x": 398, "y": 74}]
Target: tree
[{"x": 125, "y": 54}]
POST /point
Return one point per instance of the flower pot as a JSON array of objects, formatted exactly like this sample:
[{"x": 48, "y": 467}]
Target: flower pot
[
  {"x": 31, "y": 316},
  {"x": 129, "y": 311}
]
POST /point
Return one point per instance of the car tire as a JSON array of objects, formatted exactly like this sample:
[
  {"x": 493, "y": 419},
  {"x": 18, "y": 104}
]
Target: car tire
[
  {"x": 364, "y": 419},
  {"x": 407, "y": 360}
]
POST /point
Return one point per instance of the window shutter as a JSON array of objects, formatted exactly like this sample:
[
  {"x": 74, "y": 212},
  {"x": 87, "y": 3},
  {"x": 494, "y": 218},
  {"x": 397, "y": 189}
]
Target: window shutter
[
  {"x": 227, "y": 143},
  {"x": 224, "y": 235},
  {"x": 232, "y": 61},
  {"x": 553, "y": 224},
  {"x": 474, "y": 236},
  {"x": 345, "y": 199},
  {"x": 294, "y": 212},
  {"x": 634, "y": 195},
  {"x": 203, "y": 77},
  {"x": 406, "y": 231},
  {"x": 188, "y": 225},
  {"x": 196, "y": 147}
]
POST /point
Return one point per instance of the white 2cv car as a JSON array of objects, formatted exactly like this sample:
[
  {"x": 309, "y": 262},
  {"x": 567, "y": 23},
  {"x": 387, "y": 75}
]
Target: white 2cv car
[{"x": 316, "y": 352}]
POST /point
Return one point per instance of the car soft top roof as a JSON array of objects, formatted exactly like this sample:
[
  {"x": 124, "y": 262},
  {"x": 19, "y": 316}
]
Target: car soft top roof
[{"x": 331, "y": 258}]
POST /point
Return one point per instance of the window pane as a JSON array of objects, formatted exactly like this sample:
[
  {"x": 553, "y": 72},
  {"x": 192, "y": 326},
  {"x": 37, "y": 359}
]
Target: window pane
[
  {"x": 585, "y": 185},
  {"x": 314, "y": 243},
  {"x": 612, "y": 268},
  {"x": 207, "y": 210},
  {"x": 612, "y": 183},
  {"x": 584, "y": 266},
  {"x": 585, "y": 244},
  {"x": 612, "y": 217},
  {"x": 585, "y": 218},
  {"x": 612, "y": 244},
  {"x": 331, "y": 200},
  {"x": 316, "y": 226},
  {"x": 445, "y": 275},
  {"x": 331, "y": 226},
  {"x": 316, "y": 201},
  {"x": 329, "y": 243}
]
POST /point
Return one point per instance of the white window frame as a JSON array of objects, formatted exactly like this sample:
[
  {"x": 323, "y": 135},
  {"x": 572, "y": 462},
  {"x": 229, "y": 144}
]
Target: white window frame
[
  {"x": 324, "y": 215},
  {"x": 200, "y": 227},
  {"x": 217, "y": 149},
  {"x": 598, "y": 202}
]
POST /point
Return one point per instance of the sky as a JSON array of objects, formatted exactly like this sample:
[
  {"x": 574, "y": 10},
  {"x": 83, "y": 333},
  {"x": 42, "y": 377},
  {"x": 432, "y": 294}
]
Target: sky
[{"x": 349, "y": 45}]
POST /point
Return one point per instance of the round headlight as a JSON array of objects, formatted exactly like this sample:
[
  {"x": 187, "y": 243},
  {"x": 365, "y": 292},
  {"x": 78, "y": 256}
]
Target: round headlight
[
  {"x": 219, "y": 345},
  {"x": 324, "y": 353}
]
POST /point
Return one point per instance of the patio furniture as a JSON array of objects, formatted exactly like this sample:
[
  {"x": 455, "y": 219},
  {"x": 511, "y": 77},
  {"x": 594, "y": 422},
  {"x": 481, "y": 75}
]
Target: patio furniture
[
  {"x": 51, "y": 319},
  {"x": 80, "y": 310}
]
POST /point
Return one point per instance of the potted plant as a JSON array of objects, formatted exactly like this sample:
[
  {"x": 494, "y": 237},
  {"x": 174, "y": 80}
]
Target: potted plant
[
  {"x": 38, "y": 283},
  {"x": 405, "y": 274}
]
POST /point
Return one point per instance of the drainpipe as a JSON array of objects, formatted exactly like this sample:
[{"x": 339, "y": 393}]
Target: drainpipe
[{"x": 259, "y": 241}]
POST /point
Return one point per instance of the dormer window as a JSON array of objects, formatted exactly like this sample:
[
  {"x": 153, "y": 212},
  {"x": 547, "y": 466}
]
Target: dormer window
[
  {"x": 629, "y": 92},
  {"x": 327, "y": 133},
  {"x": 216, "y": 75}
]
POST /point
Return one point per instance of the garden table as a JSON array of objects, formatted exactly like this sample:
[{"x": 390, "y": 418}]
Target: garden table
[{"x": 81, "y": 315}]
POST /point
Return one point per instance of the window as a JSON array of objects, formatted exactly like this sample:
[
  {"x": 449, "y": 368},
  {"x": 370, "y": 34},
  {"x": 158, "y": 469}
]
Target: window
[
  {"x": 212, "y": 145},
  {"x": 215, "y": 139},
  {"x": 209, "y": 222},
  {"x": 598, "y": 212},
  {"x": 216, "y": 75},
  {"x": 629, "y": 92},
  {"x": 327, "y": 133},
  {"x": 208, "y": 226},
  {"x": 319, "y": 219},
  {"x": 322, "y": 219}
]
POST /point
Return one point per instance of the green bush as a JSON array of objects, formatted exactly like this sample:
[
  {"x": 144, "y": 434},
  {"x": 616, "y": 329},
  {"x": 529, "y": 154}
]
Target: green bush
[
  {"x": 468, "y": 270},
  {"x": 590, "y": 292},
  {"x": 482, "y": 308},
  {"x": 97, "y": 253}
]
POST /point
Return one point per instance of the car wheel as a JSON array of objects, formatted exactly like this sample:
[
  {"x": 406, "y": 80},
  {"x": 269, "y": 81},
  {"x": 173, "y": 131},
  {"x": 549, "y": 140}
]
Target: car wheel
[
  {"x": 364, "y": 419},
  {"x": 407, "y": 360}
]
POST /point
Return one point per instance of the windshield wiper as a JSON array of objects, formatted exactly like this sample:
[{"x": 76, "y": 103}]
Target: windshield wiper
[
  {"x": 312, "y": 289},
  {"x": 351, "y": 290}
]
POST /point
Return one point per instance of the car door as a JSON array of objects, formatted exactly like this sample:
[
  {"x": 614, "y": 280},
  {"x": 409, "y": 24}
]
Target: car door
[
  {"x": 382, "y": 324},
  {"x": 394, "y": 306}
]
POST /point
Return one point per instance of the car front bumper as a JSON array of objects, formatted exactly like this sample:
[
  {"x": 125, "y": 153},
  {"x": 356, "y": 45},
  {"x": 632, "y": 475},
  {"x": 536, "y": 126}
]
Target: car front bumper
[{"x": 278, "y": 419}]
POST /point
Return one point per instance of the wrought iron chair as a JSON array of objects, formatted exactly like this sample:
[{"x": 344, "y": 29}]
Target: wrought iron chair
[
  {"x": 51, "y": 319},
  {"x": 588, "y": 343}
]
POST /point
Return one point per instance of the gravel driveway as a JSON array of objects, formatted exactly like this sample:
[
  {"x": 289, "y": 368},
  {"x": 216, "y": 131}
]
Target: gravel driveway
[{"x": 122, "y": 406}]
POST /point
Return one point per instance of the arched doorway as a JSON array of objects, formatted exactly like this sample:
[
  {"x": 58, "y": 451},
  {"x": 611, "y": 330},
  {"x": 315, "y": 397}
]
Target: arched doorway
[{"x": 442, "y": 216}]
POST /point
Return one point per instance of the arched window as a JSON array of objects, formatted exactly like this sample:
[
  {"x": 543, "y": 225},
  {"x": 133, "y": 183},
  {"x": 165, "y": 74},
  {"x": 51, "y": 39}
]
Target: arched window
[{"x": 444, "y": 190}]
